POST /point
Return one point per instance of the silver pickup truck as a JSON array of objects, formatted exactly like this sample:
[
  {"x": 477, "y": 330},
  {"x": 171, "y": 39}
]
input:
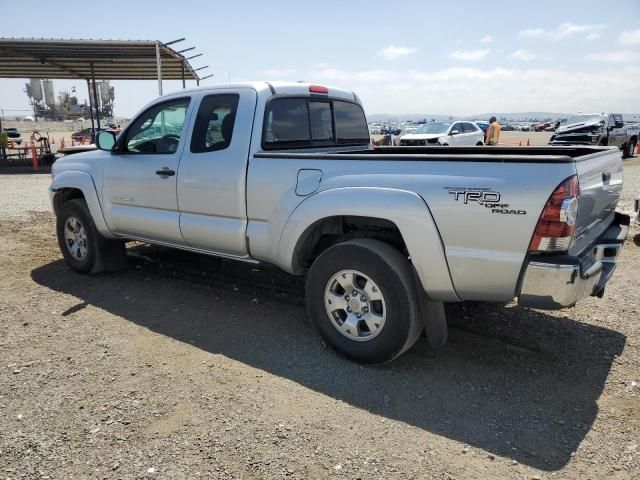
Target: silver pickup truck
[{"x": 284, "y": 173}]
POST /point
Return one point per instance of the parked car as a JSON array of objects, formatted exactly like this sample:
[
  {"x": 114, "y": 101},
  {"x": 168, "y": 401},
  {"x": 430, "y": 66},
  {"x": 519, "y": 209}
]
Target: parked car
[
  {"x": 445, "y": 133},
  {"x": 598, "y": 129},
  {"x": 13, "y": 135},
  {"x": 507, "y": 128},
  {"x": 384, "y": 236},
  {"x": 483, "y": 125},
  {"x": 540, "y": 127},
  {"x": 85, "y": 133}
]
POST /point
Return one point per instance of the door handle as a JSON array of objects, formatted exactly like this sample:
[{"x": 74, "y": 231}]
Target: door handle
[
  {"x": 165, "y": 172},
  {"x": 606, "y": 176}
]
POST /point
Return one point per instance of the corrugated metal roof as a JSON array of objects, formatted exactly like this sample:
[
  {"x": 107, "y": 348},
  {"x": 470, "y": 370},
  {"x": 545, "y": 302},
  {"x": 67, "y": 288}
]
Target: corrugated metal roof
[{"x": 73, "y": 58}]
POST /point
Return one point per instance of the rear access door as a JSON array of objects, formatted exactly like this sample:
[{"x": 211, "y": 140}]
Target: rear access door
[{"x": 213, "y": 170}]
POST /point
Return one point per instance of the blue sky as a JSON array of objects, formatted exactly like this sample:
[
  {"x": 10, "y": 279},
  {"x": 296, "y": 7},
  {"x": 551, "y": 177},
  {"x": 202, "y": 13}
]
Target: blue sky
[{"x": 459, "y": 57}]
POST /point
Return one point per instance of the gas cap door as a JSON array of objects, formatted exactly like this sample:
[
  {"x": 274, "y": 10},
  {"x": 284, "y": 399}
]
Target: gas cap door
[{"x": 308, "y": 181}]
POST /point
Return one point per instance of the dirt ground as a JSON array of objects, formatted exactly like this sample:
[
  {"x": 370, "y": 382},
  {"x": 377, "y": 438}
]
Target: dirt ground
[{"x": 186, "y": 366}]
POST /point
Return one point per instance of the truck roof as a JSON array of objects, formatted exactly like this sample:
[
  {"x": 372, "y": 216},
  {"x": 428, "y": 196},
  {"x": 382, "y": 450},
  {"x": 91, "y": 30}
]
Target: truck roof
[{"x": 275, "y": 87}]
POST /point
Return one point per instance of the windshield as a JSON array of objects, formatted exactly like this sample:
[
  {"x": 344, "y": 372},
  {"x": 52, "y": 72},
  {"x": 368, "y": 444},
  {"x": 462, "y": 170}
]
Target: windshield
[
  {"x": 434, "y": 127},
  {"x": 585, "y": 118}
]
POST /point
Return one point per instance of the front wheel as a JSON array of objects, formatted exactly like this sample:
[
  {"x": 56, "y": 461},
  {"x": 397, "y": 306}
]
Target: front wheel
[
  {"x": 631, "y": 149},
  {"x": 82, "y": 246},
  {"x": 361, "y": 296}
]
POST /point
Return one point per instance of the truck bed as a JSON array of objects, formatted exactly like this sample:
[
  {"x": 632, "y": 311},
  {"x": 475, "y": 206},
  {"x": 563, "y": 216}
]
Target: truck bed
[{"x": 543, "y": 154}]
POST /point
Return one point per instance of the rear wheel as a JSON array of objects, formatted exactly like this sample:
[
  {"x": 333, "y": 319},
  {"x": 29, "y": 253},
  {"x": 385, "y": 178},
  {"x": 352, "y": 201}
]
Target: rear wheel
[
  {"x": 361, "y": 296},
  {"x": 631, "y": 149}
]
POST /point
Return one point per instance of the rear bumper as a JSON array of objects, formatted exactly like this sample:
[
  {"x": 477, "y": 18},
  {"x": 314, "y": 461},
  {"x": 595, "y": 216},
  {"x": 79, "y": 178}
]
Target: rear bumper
[{"x": 551, "y": 282}]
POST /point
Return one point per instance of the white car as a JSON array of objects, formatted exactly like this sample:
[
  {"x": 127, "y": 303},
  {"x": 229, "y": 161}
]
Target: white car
[{"x": 455, "y": 134}]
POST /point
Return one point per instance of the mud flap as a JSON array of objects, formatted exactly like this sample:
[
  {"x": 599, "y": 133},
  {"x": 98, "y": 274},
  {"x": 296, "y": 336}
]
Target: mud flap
[
  {"x": 111, "y": 256},
  {"x": 435, "y": 320}
]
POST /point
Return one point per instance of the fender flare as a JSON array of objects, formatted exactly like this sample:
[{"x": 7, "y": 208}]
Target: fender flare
[
  {"x": 407, "y": 210},
  {"x": 83, "y": 182}
]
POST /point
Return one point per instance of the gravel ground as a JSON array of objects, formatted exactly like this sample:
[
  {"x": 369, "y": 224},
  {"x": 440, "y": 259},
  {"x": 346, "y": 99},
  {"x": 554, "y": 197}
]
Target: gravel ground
[{"x": 185, "y": 366}]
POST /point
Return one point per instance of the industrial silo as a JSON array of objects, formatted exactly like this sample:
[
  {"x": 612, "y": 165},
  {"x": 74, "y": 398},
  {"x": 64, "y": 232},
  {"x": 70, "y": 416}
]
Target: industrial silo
[
  {"x": 49, "y": 96},
  {"x": 36, "y": 89}
]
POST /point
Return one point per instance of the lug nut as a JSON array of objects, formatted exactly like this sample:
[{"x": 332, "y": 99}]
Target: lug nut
[
  {"x": 354, "y": 293},
  {"x": 358, "y": 315},
  {"x": 349, "y": 309},
  {"x": 346, "y": 297},
  {"x": 365, "y": 309},
  {"x": 363, "y": 298}
]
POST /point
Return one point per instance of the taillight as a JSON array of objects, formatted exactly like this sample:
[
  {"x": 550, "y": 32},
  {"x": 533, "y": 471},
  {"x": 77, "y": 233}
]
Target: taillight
[{"x": 558, "y": 220}]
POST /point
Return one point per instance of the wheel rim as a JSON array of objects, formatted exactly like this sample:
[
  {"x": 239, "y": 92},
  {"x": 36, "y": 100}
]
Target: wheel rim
[
  {"x": 355, "y": 305},
  {"x": 75, "y": 238}
]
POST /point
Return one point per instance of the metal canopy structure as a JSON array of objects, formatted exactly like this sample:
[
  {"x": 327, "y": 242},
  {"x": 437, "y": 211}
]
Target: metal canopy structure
[
  {"x": 91, "y": 59},
  {"x": 85, "y": 59}
]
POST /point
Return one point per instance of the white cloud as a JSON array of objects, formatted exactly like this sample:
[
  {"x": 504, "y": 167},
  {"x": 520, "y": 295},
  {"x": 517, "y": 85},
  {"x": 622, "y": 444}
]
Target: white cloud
[
  {"x": 593, "y": 36},
  {"x": 630, "y": 37},
  {"x": 617, "y": 56},
  {"x": 486, "y": 39},
  {"x": 392, "y": 52},
  {"x": 565, "y": 30},
  {"x": 472, "y": 55},
  {"x": 460, "y": 91},
  {"x": 523, "y": 55}
]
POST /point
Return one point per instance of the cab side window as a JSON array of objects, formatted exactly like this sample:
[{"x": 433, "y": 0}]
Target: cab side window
[
  {"x": 616, "y": 119},
  {"x": 157, "y": 130},
  {"x": 469, "y": 128},
  {"x": 213, "y": 128},
  {"x": 456, "y": 126}
]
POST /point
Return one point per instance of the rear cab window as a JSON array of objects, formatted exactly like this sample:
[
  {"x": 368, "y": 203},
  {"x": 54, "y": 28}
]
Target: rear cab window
[{"x": 303, "y": 122}]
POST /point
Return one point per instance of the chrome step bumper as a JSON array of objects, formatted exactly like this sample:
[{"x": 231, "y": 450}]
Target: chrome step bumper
[{"x": 551, "y": 282}]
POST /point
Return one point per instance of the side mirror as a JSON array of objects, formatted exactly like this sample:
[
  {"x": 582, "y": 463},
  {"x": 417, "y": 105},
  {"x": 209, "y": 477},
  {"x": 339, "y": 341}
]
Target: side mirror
[
  {"x": 454, "y": 132},
  {"x": 105, "y": 140}
]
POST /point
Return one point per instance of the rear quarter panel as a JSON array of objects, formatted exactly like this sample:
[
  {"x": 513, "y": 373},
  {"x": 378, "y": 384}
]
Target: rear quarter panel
[{"x": 484, "y": 250}]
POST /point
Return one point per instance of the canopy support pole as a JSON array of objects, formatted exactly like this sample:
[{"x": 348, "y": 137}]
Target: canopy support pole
[
  {"x": 184, "y": 85},
  {"x": 159, "y": 68},
  {"x": 95, "y": 98},
  {"x": 90, "y": 104}
]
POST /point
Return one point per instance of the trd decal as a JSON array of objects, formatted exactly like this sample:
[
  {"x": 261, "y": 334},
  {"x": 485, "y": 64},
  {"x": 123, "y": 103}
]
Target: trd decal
[{"x": 483, "y": 196}]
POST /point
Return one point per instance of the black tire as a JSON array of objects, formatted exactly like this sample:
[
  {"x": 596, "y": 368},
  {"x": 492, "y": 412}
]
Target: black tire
[
  {"x": 101, "y": 253},
  {"x": 392, "y": 272},
  {"x": 631, "y": 149}
]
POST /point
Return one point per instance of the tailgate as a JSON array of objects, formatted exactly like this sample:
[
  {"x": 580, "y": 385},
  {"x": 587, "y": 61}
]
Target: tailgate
[{"x": 600, "y": 180}]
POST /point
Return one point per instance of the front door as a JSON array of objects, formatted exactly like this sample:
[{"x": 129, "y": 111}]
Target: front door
[
  {"x": 458, "y": 138},
  {"x": 617, "y": 135},
  {"x": 139, "y": 179}
]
